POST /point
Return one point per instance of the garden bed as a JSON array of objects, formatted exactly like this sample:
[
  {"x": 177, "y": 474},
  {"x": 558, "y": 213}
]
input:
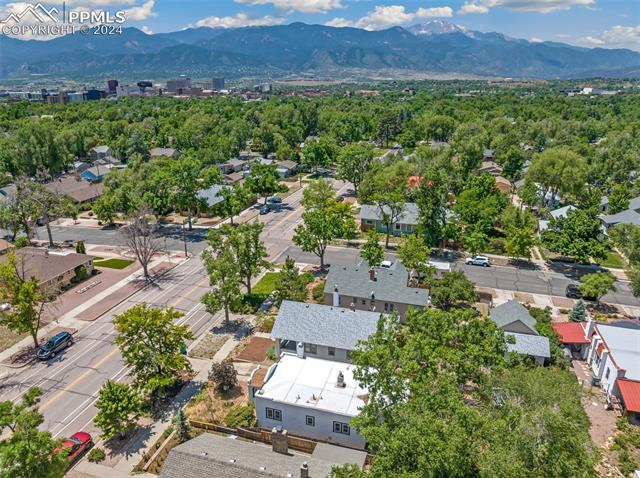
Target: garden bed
[
  {"x": 211, "y": 406},
  {"x": 208, "y": 346},
  {"x": 255, "y": 350}
]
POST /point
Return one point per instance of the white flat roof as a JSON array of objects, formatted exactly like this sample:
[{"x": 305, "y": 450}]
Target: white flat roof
[
  {"x": 310, "y": 382},
  {"x": 624, "y": 346}
]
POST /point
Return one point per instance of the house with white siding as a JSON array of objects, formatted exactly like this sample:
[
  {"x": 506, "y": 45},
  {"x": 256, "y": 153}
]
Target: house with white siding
[{"x": 309, "y": 397}]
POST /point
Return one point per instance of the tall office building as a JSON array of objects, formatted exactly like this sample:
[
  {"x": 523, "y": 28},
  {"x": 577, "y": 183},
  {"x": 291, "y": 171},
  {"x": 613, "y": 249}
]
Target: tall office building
[
  {"x": 217, "y": 84},
  {"x": 112, "y": 86},
  {"x": 179, "y": 84}
]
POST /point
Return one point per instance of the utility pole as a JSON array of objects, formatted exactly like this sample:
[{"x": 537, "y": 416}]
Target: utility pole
[{"x": 184, "y": 239}]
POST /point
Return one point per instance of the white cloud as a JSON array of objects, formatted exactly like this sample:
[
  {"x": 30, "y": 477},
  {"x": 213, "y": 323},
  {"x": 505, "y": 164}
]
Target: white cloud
[
  {"x": 618, "y": 36},
  {"x": 434, "y": 12},
  {"x": 339, "y": 22},
  {"x": 141, "y": 12},
  {"x": 305, "y": 6},
  {"x": 147, "y": 30},
  {"x": 239, "y": 20},
  {"x": 539, "y": 6},
  {"x": 383, "y": 16},
  {"x": 536, "y": 40},
  {"x": 473, "y": 8}
]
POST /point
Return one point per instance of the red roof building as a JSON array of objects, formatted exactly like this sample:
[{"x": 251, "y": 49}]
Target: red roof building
[
  {"x": 630, "y": 391},
  {"x": 571, "y": 333}
]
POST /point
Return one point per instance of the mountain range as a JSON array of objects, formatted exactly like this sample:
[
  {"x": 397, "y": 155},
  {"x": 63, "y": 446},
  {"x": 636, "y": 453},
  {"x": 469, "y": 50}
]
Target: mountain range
[{"x": 436, "y": 46}]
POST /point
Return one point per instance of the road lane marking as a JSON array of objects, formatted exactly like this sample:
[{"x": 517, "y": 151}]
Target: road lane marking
[{"x": 91, "y": 369}]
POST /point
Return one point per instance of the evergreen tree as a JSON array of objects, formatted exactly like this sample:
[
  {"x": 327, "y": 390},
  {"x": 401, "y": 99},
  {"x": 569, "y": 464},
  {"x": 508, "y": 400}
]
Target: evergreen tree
[{"x": 579, "y": 311}]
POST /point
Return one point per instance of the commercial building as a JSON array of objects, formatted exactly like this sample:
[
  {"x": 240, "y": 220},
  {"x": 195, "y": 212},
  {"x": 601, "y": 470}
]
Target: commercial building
[{"x": 178, "y": 85}]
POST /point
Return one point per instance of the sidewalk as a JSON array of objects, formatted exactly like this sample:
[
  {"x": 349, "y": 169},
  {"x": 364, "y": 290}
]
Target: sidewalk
[
  {"x": 72, "y": 318},
  {"x": 138, "y": 446}
]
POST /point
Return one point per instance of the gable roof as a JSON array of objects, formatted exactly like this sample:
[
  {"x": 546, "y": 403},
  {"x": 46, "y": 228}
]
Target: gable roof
[
  {"x": 390, "y": 284},
  {"x": 562, "y": 212},
  {"x": 525, "y": 344},
  {"x": 211, "y": 195},
  {"x": 287, "y": 164},
  {"x": 163, "y": 152},
  {"x": 47, "y": 265},
  {"x": 78, "y": 189},
  {"x": 101, "y": 149},
  {"x": 510, "y": 312},
  {"x": 324, "y": 325},
  {"x": 571, "y": 333},
  {"x": 628, "y": 216},
  {"x": 409, "y": 213},
  {"x": 225, "y": 457}
]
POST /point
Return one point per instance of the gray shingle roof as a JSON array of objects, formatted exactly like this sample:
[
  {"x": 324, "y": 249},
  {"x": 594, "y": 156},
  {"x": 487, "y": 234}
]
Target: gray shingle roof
[
  {"x": 390, "y": 284},
  {"x": 211, "y": 195},
  {"x": 217, "y": 456},
  {"x": 323, "y": 324},
  {"x": 535, "y": 345},
  {"x": 409, "y": 214},
  {"x": 511, "y": 311},
  {"x": 628, "y": 216}
]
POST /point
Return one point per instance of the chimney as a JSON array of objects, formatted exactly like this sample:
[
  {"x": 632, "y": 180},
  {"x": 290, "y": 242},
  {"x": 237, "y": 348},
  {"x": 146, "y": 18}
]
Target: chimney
[
  {"x": 340, "y": 382},
  {"x": 372, "y": 273},
  {"x": 279, "y": 441},
  {"x": 588, "y": 330},
  {"x": 336, "y": 296},
  {"x": 304, "y": 470}
]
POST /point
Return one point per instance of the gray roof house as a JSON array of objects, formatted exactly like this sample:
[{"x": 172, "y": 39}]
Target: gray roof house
[
  {"x": 371, "y": 217},
  {"x": 512, "y": 316},
  {"x": 210, "y": 455},
  {"x": 211, "y": 195},
  {"x": 8, "y": 192},
  {"x": 628, "y": 216},
  {"x": 100, "y": 152},
  {"x": 379, "y": 289},
  {"x": 556, "y": 213},
  {"x": 520, "y": 330},
  {"x": 323, "y": 330},
  {"x": 164, "y": 153}
]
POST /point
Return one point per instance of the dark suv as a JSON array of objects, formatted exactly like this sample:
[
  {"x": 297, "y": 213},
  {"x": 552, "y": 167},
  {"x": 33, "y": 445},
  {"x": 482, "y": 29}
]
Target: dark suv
[
  {"x": 55, "y": 344},
  {"x": 573, "y": 292}
]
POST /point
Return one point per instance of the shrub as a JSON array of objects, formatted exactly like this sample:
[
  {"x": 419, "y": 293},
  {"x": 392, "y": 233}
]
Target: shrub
[
  {"x": 224, "y": 376},
  {"x": 240, "y": 416},
  {"x": 318, "y": 292},
  {"x": 96, "y": 455},
  {"x": 22, "y": 241},
  {"x": 265, "y": 322},
  {"x": 271, "y": 353}
]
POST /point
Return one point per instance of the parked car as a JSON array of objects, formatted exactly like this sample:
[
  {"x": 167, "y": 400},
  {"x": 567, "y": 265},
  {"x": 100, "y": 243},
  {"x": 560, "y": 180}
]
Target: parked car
[
  {"x": 573, "y": 292},
  {"x": 340, "y": 198},
  {"x": 264, "y": 209},
  {"x": 478, "y": 261},
  {"x": 275, "y": 200},
  {"x": 386, "y": 264},
  {"x": 54, "y": 345},
  {"x": 76, "y": 445}
]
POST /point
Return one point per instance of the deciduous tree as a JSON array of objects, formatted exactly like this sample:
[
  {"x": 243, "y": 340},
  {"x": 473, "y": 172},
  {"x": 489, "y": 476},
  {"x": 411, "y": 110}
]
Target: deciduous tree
[
  {"x": 597, "y": 284},
  {"x": 264, "y": 181},
  {"x": 578, "y": 235},
  {"x": 151, "y": 344},
  {"x": 371, "y": 251},
  {"x": 454, "y": 288},
  {"x": 141, "y": 236},
  {"x": 354, "y": 161},
  {"x": 223, "y": 375},
  {"x": 26, "y": 299},
  {"x": 25, "y": 451},
  {"x": 414, "y": 255},
  {"x": 119, "y": 407}
]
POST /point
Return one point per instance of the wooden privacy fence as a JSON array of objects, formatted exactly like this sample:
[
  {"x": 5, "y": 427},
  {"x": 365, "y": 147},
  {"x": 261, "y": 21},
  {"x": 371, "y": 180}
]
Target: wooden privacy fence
[{"x": 257, "y": 434}]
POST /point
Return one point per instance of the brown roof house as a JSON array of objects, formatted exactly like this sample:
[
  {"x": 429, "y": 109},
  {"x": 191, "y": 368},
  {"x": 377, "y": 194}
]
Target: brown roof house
[
  {"x": 76, "y": 188},
  {"x": 54, "y": 270}
]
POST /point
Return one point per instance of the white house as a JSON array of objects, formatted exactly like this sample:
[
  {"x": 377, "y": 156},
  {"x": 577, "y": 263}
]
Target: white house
[
  {"x": 614, "y": 358},
  {"x": 310, "y": 397}
]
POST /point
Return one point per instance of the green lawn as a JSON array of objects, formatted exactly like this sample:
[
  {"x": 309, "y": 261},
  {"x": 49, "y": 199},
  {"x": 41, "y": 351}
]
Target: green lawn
[
  {"x": 112, "y": 263},
  {"x": 265, "y": 285},
  {"x": 613, "y": 260},
  {"x": 259, "y": 292}
]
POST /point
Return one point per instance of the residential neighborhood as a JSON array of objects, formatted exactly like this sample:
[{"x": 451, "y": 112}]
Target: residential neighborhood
[{"x": 407, "y": 278}]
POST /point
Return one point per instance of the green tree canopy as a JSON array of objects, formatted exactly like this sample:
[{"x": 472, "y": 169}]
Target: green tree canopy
[
  {"x": 151, "y": 344},
  {"x": 454, "y": 288},
  {"x": 119, "y": 407},
  {"x": 597, "y": 284},
  {"x": 578, "y": 235}
]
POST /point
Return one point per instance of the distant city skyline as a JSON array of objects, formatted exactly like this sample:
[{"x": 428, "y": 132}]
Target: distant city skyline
[{"x": 590, "y": 23}]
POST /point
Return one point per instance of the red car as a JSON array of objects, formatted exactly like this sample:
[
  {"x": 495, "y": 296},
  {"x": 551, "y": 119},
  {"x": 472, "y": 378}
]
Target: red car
[{"x": 76, "y": 445}]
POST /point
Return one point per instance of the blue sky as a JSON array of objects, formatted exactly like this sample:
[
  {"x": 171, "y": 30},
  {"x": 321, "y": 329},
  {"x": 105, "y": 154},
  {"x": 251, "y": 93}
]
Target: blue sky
[{"x": 605, "y": 23}]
